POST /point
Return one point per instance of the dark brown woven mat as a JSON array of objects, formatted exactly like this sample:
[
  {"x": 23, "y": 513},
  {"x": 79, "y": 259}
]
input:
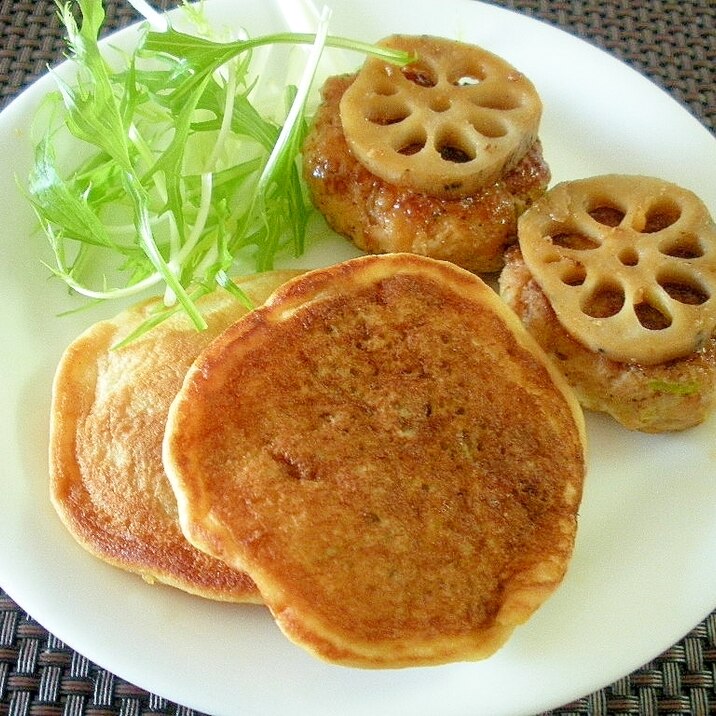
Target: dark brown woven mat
[
  {"x": 41, "y": 676},
  {"x": 672, "y": 42}
]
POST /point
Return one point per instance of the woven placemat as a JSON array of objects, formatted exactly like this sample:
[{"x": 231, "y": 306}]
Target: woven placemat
[
  {"x": 41, "y": 676},
  {"x": 674, "y": 43},
  {"x": 671, "y": 42}
]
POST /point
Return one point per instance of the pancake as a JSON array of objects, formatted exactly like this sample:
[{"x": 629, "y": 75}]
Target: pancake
[
  {"x": 389, "y": 455},
  {"x": 109, "y": 408}
]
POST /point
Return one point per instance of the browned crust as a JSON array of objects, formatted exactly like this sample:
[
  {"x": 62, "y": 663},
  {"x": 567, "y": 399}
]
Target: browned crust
[
  {"x": 674, "y": 395},
  {"x": 108, "y": 414},
  {"x": 389, "y": 455},
  {"x": 472, "y": 232}
]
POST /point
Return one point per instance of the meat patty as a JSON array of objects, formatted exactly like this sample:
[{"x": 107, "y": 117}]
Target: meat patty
[
  {"x": 668, "y": 396},
  {"x": 472, "y": 231}
]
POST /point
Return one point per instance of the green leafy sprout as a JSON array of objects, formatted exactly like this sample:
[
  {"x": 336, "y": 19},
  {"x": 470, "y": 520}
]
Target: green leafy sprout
[{"x": 182, "y": 171}]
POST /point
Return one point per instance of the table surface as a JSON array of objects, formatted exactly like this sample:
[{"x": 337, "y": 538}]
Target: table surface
[{"x": 673, "y": 42}]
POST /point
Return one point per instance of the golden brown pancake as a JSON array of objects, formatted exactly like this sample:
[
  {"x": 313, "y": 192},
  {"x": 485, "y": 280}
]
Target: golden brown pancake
[
  {"x": 109, "y": 409},
  {"x": 389, "y": 455}
]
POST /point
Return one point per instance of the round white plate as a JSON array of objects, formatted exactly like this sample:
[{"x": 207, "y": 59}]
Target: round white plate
[{"x": 644, "y": 570}]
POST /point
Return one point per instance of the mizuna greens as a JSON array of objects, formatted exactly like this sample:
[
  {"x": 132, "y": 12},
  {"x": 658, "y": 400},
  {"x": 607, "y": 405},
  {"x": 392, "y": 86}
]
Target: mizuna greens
[{"x": 181, "y": 171}]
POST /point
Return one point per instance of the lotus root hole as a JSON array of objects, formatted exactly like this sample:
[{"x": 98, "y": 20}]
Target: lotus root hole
[
  {"x": 574, "y": 240},
  {"x": 661, "y": 215},
  {"x": 410, "y": 142},
  {"x": 606, "y": 300},
  {"x": 684, "y": 290},
  {"x": 467, "y": 81},
  {"x": 384, "y": 87},
  {"x": 574, "y": 275},
  {"x": 684, "y": 247},
  {"x": 409, "y": 149},
  {"x": 454, "y": 148},
  {"x": 651, "y": 317},
  {"x": 490, "y": 127},
  {"x": 420, "y": 74},
  {"x": 439, "y": 104},
  {"x": 387, "y": 113},
  {"x": 500, "y": 100},
  {"x": 607, "y": 214},
  {"x": 628, "y": 256},
  {"x": 467, "y": 75}
]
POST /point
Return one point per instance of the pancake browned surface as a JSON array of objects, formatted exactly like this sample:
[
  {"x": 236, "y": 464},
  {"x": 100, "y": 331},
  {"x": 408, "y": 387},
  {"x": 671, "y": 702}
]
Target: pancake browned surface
[
  {"x": 108, "y": 416},
  {"x": 470, "y": 228},
  {"x": 616, "y": 279},
  {"x": 388, "y": 453}
]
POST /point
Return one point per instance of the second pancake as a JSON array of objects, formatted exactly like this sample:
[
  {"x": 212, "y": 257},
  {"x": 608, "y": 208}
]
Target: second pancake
[{"x": 390, "y": 456}]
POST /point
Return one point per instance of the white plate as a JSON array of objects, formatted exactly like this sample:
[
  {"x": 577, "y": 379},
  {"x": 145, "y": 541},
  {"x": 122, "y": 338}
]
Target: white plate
[{"x": 643, "y": 573}]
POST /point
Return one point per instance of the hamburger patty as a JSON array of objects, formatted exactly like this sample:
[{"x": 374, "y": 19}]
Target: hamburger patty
[
  {"x": 472, "y": 231},
  {"x": 666, "y": 396}
]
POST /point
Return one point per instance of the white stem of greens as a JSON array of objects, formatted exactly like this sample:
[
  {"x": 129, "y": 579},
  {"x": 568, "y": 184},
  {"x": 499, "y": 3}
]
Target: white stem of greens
[
  {"x": 201, "y": 217},
  {"x": 170, "y": 296},
  {"x": 145, "y": 152},
  {"x": 211, "y": 257},
  {"x": 222, "y": 278},
  {"x": 304, "y": 88},
  {"x": 179, "y": 256},
  {"x": 226, "y": 118},
  {"x": 174, "y": 243},
  {"x": 157, "y": 20},
  {"x": 128, "y": 229},
  {"x": 113, "y": 293}
]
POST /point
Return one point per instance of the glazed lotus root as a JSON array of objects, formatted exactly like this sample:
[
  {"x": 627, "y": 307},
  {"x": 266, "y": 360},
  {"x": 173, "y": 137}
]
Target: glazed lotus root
[
  {"x": 628, "y": 264},
  {"x": 446, "y": 124}
]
